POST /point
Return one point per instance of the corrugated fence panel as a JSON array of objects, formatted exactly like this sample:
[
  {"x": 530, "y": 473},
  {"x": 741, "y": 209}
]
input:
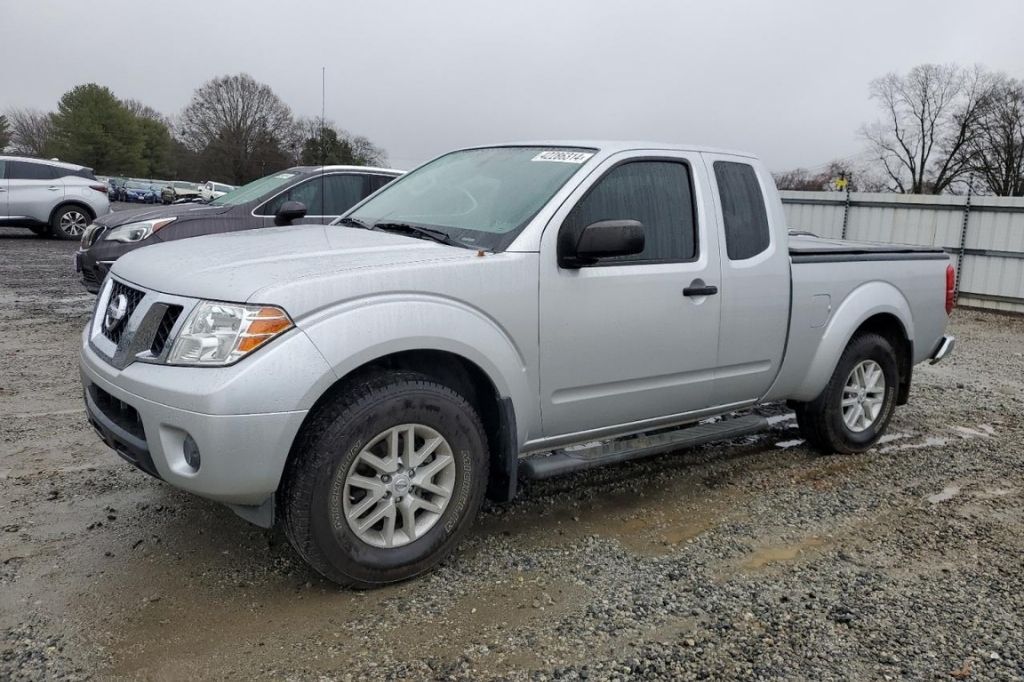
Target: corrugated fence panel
[
  {"x": 817, "y": 212},
  {"x": 992, "y": 272}
]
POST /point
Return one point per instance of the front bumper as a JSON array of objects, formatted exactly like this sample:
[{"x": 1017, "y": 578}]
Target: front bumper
[
  {"x": 92, "y": 271},
  {"x": 243, "y": 453},
  {"x": 944, "y": 348}
]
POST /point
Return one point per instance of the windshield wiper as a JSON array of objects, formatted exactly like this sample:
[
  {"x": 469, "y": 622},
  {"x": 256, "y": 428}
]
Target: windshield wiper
[
  {"x": 429, "y": 233},
  {"x": 354, "y": 222}
]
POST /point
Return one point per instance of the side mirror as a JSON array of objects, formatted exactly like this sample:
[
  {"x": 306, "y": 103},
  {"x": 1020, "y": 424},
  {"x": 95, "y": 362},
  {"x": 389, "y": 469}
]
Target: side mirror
[
  {"x": 290, "y": 211},
  {"x": 603, "y": 239}
]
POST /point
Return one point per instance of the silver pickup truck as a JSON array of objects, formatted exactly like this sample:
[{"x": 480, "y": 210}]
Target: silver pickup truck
[{"x": 498, "y": 314}]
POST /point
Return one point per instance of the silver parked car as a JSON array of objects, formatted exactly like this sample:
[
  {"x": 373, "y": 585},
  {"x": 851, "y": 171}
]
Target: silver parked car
[{"x": 49, "y": 197}]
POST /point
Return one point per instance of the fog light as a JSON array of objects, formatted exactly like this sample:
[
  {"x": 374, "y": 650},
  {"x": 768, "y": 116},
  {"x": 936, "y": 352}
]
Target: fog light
[{"x": 191, "y": 451}]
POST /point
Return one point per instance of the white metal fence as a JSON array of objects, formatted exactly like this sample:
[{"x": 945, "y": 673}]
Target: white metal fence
[{"x": 985, "y": 235}]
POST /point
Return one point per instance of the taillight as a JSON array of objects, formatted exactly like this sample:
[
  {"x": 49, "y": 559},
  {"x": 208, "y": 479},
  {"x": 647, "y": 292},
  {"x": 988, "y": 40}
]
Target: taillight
[
  {"x": 950, "y": 284},
  {"x": 99, "y": 188}
]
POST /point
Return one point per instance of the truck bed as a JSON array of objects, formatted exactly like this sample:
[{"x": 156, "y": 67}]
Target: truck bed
[
  {"x": 806, "y": 249},
  {"x": 833, "y": 279}
]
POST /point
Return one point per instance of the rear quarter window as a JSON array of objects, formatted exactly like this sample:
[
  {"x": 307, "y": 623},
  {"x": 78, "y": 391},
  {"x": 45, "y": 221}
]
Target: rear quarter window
[{"x": 743, "y": 211}]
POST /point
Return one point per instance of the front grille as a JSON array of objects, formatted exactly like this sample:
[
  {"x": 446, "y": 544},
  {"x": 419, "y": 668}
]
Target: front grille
[
  {"x": 164, "y": 330},
  {"x": 118, "y": 411},
  {"x": 132, "y": 296}
]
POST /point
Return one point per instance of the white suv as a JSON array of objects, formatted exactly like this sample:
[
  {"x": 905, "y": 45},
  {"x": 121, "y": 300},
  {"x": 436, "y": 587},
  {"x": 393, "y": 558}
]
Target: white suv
[{"x": 49, "y": 197}]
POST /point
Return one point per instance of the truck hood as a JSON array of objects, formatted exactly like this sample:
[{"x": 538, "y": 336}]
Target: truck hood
[
  {"x": 118, "y": 218},
  {"x": 236, "y": 265}
]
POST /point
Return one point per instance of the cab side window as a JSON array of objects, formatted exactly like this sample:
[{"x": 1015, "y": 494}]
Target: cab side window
[
  {"x": 308, "y": 193},
  {"x": 342, "y": 192},
  {"x": 743, "y": 210},
  {"x": 657, "y": 193},
  {"x": 23, "y": 170}
]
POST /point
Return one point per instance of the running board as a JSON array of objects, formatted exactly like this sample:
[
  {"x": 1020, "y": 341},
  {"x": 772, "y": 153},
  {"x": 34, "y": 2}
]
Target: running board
[{"x": 566, "y": 461}]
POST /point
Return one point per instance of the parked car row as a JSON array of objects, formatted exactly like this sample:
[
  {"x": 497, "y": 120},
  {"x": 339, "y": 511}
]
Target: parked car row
[
  {"x": 143, "y": 191},
  {"x": 304, "y": 194},
  {"x": 50, "y": 198}
]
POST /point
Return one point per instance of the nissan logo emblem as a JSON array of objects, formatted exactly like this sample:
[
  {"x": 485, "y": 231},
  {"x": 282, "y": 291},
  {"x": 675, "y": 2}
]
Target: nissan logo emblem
[{"x": 116, "y": 312}]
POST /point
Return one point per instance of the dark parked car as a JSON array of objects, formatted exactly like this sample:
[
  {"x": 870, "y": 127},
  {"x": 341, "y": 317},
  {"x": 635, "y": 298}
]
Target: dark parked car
[
  {"x": 115, "y": 189},
  {"x": 305, "y": 194},
  {"x": 141, "y": 192}
]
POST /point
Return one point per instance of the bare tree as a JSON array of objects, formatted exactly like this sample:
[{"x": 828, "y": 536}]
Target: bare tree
[
  {"x": 996, "y": 152},
  {"x": 366, "y": 152},
  {"x": 140, "y": 110},
  {"x": 830, "y": 177},
  {"x": 240, "y": 128},
  {"x": 31, "y": 132},
  {"x": 5, "y": 133},
  {"x": 930, "y": 116}
]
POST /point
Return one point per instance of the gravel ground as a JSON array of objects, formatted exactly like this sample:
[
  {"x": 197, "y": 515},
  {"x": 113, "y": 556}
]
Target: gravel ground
[{"x": 753, "y": 559}]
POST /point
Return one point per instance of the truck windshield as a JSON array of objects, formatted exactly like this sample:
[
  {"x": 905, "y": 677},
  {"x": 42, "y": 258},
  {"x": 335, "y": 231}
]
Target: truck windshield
[
  {"x": 479, "y": 198},
  {"x": 254, "y": 190}
]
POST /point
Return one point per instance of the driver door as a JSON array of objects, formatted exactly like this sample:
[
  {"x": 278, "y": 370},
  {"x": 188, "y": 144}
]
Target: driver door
[{"x": 620, "y": 341}]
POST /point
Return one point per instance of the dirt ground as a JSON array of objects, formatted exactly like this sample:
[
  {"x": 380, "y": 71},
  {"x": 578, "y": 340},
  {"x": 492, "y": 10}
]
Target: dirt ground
[{"x": 754, "y": 559}]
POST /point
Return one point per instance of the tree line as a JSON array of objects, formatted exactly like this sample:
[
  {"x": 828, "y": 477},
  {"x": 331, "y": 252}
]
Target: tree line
[
  {"x": 943, "y": 128},
  {"x": 234, "y": 129}
]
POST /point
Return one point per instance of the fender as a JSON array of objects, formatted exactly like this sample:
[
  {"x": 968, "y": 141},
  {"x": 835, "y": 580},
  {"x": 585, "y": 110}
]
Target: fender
[
  {"x": 864, "y": 302},
  {"x": 361, "y": 330}
]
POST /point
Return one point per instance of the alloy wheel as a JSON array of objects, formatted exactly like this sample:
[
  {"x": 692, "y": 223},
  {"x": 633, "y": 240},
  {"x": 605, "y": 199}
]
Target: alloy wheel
[
  {"x": 73, "y": 223},
  {"x": 399, "y": 485},
  {"x": 863, "y": 396}
]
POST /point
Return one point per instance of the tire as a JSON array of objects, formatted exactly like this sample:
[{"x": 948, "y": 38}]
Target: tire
[
  {"x": 825, "y": 422},
  {"x": 316, "y": 498},
  {"x": 69, "y": 222}
]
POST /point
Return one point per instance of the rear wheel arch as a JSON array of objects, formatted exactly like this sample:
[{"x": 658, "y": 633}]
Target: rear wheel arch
[
  {"x": 70, "y": 202},
  {"x": 891, "y": 328}
]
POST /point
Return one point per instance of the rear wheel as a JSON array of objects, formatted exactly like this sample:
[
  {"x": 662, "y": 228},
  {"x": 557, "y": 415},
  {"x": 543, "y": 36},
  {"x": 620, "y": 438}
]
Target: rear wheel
[
  {"x": 69, "y": 222},
  {"x": 385, "y": 480},
  {"x": 854, "y": 409}
]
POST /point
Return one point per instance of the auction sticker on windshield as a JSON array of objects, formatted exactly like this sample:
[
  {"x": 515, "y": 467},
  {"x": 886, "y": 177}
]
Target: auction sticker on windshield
[{"x": 563, "y": 156}]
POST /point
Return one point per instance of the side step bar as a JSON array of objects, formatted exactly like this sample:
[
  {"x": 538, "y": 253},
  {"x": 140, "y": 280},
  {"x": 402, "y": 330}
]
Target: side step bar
[{"x": 566, "y": 461}]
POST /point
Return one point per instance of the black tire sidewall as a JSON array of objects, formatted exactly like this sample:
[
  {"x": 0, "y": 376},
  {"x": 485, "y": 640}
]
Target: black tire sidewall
[
  {"x": 329, "y": 530},
  {"x": 870, "y": 347},
  {"x": 55, "y": 223}
]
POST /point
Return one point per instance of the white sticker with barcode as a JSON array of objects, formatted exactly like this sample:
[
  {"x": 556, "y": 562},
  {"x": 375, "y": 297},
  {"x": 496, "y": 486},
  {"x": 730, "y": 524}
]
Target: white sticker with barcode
[{"x": 563, "y": 156}]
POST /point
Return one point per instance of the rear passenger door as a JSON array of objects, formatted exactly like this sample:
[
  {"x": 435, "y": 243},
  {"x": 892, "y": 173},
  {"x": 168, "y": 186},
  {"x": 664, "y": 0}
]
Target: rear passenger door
[
  {"x": 33, "y": 189},
  {"x": 755, "y": 290}
]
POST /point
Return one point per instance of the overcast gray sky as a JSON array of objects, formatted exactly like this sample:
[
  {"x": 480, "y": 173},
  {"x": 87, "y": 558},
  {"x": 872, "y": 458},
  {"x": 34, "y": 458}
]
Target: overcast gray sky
[{"x": 786, "y": 79}]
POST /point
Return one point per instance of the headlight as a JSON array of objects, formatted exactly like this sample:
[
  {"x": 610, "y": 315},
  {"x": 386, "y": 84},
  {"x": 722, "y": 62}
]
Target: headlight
[
  {"x": 136, "y": 232},
  {"x": 89, "y": 236},
  {"x": 223, "y": 333}
]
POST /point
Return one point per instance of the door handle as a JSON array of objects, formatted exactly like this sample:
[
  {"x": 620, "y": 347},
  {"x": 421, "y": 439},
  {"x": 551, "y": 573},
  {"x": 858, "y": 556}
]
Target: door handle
[
  {"x": 53, "y": 188},
  {"x": 708, "y": 290}
]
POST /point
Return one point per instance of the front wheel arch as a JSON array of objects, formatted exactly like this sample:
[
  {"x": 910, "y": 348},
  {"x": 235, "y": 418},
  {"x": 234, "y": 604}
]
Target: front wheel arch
[{"x": 497, "y": 412}]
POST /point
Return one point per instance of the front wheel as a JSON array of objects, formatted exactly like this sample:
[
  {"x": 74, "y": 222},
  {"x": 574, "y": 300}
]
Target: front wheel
[
  {"x": 854, "y": 409},
  {"x": 385, "y": 480}
]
